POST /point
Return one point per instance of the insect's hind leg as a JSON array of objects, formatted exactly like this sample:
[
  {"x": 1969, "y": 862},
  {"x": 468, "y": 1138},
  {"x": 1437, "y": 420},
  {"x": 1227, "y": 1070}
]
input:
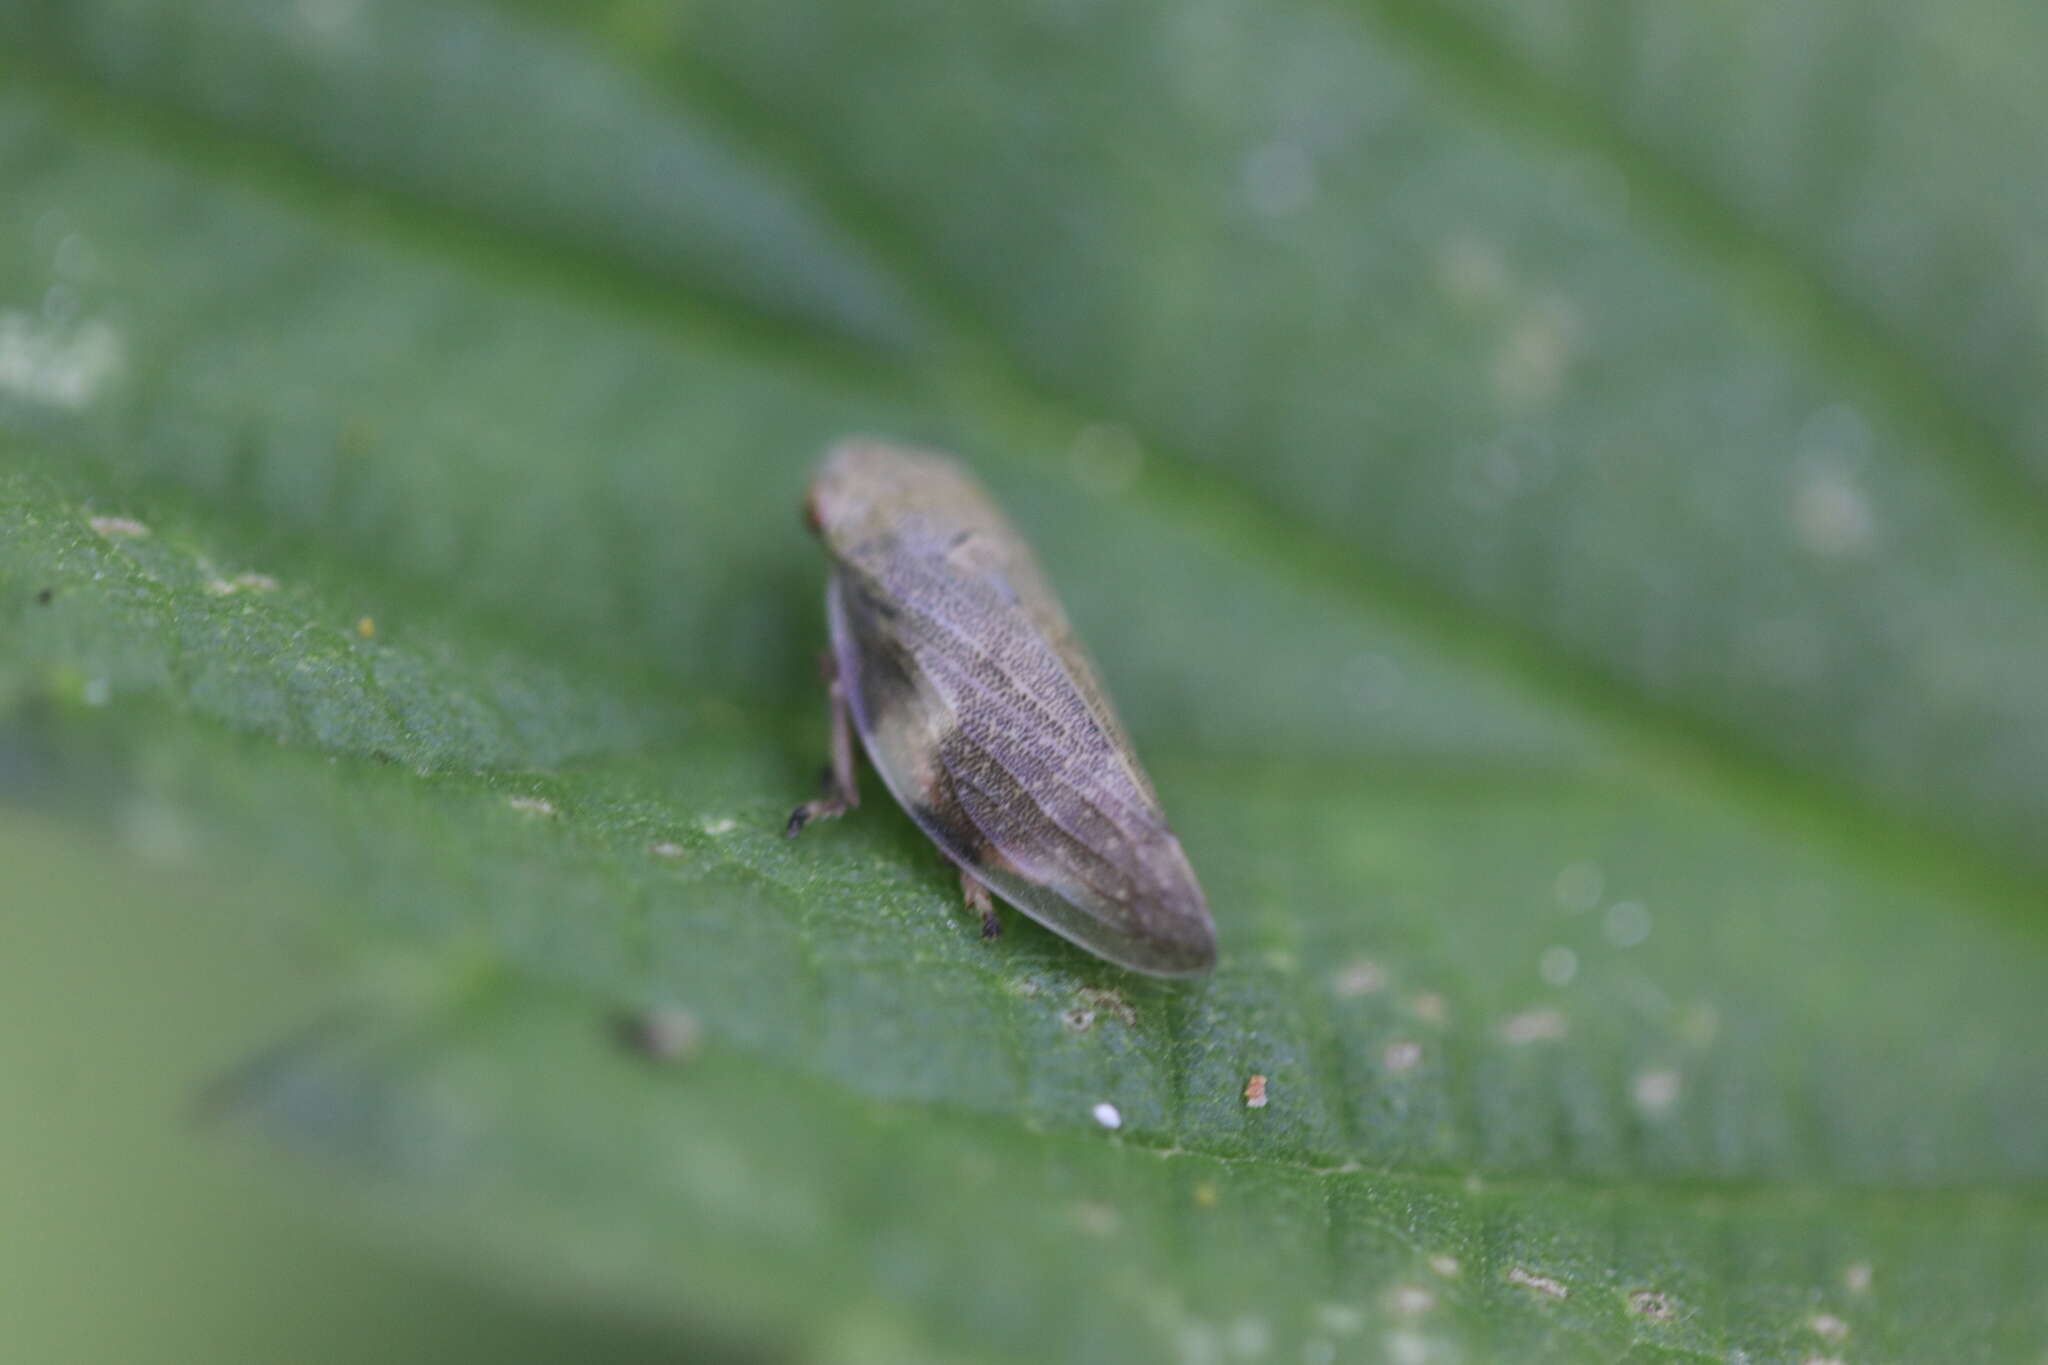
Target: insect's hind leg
[
  {"x": 842, "y": 790},
  {"x": 977, "y": 897}
]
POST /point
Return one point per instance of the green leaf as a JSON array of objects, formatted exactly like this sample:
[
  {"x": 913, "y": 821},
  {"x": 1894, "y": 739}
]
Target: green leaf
[{"x": 1556, "y": 491}]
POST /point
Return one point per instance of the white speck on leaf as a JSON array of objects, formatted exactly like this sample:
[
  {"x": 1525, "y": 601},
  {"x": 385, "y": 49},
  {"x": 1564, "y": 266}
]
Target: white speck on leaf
[
  {"x": 1108, "y": 1115},
  {"x": 1542, "y": 1284},
  {"x": 1831, "y": 514},
  {"x": 1828, "y": 1326},
  {"x": 1401, "y": 1055},
  {"x": 667, "y": 848},
  {"x": 119, "y": 528},
  {"x": 1648, "y": 1303},
  {"x": 1358, "y": 978},
  {"x": 1446, "y": 1266},
  {"x": 1410, "y": 1299},
  {"x": 1857, "y": 1278},
  {"x": 62, "y": 366},
  {"x": 1628, "y": 923},
  {"x": 719, "y": 825},
  {"x": 242, "y": 582},
  {"x": 1656, "y": 1091},
  {"x": 532, "y": 805},
  {"x": 1534, "y": 1026}
]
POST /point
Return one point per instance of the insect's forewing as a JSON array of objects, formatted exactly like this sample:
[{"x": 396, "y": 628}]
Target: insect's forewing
[{"x": 987, "y": 724}]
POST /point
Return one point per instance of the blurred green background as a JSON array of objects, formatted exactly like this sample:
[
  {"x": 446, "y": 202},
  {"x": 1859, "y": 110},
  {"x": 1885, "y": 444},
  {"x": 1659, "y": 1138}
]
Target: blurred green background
[{"x": 1559, "y": 491}]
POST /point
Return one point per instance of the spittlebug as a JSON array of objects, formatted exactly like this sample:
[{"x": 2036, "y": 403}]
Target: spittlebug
[{"x": 953, "y": 662}]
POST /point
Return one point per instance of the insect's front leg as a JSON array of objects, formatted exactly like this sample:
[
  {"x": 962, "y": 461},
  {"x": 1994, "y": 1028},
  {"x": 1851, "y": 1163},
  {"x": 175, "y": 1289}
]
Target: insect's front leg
[{"x": 842, "y": 792}]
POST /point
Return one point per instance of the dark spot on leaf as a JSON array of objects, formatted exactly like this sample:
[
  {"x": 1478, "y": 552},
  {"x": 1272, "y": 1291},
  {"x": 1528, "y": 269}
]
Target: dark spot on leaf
[
  {"x": 43, "y": 597},
  {"x": 660, "y": 1034}
]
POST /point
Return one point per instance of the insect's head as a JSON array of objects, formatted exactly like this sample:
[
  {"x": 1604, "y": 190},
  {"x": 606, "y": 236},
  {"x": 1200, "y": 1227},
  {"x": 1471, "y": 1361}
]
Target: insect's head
[{"x": 864, "y": 489}]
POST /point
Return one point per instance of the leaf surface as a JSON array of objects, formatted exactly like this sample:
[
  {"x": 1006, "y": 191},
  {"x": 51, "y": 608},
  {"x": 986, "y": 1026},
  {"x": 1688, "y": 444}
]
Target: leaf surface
[{"x": 1571, "y": 571}]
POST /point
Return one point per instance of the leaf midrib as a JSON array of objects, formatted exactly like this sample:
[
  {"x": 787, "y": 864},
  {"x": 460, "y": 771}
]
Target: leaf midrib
[{"x": 599, "y": 842}]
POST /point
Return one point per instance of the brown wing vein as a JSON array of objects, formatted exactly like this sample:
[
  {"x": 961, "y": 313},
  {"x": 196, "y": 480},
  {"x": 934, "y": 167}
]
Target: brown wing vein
[{"x": 1078, "y": 862}]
